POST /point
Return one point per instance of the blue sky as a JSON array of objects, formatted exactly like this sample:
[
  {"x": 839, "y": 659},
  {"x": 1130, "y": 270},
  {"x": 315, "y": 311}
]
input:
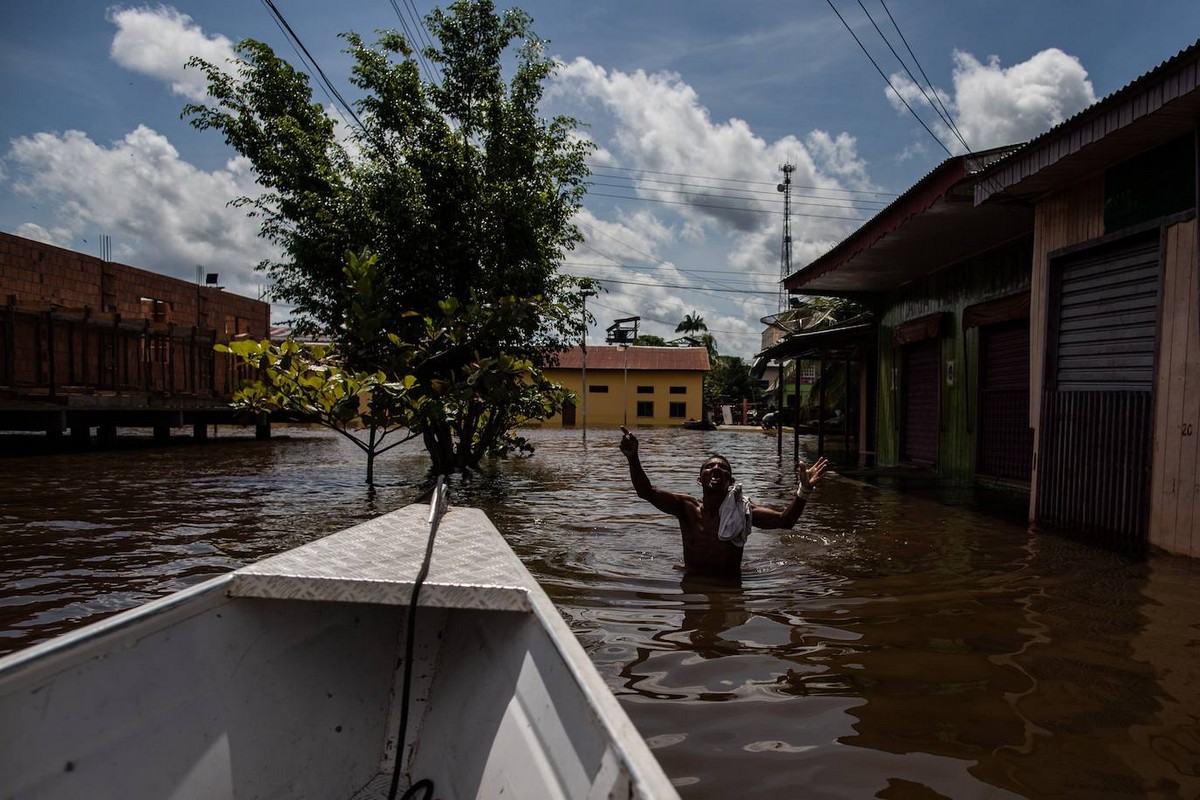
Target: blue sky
[{"x": 693, "y": 107}]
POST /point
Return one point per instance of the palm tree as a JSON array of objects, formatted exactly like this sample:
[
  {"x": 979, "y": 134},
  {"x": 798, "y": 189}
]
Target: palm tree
[{"x": 691, "y": 323}]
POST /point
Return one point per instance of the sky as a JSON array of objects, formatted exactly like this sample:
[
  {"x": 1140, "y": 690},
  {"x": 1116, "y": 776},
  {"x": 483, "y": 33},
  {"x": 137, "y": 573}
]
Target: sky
[{"x": 693, "y": 107}]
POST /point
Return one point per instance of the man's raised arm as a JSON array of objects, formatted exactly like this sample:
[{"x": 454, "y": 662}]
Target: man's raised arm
[
  {"x": 773, "y": 518},
  {"x": 667, "y": 502}
]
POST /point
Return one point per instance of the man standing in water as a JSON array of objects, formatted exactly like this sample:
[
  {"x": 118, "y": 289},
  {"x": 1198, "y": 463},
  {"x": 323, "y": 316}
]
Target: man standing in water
[{"x": 715, "y": 527}]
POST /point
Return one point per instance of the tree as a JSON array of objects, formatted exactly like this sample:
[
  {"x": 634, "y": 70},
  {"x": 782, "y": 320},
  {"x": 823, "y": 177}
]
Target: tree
[
  {"x": 649, "y": 340},
  {"x": 692, "y": 323},
  {"x": 310, "y": 381},
  {"x": 460, "y": 189},
  {"x": 730, "y": 380},
  {"x": 486, "y": 396}
]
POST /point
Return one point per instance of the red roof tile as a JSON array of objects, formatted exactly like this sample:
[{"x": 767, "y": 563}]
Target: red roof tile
[{"x": 643, "y": 358}]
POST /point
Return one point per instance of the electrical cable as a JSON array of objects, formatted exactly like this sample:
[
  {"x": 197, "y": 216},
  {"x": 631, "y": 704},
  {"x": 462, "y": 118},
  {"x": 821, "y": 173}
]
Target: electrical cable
[
  {"x": 742, "y": 209},
  {"x": 414, "y": 41},
  {"x": 923, "y": 75},
  {"x": 843, "y": 204},
  {"x": 738, "y": 180},
  {"x": 291, "y": 34},
  {"x": 945, "y": 120},
  {"x": 770, "y": 275},
  {"x": 437, "y": 507},
  {"x": 870, "y": 58},
  {"x": 733, "y": 290}
]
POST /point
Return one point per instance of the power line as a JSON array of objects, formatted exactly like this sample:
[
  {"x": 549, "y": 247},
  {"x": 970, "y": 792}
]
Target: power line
[
  {"x": 674, "y": 286},
  {"x": 324, "y": 79},
  {"x": 743, "y": 285},
  {"x": 634, "y": 249},
  {"x": 654, "y": 267},
  {"x": 921, "y": 69},
  {"x": 946, "y": 120},
  {"x": 414, "y": 40},
  {"x": 916, "y": 116},
  {"x": 845, "y": 203},
  {"x": 737, "y": 180},
  {"x": 743, "y": 209}
]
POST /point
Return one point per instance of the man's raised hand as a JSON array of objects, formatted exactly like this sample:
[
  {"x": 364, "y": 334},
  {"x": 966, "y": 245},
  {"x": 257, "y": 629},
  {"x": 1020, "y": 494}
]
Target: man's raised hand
[
  {"x": 810, "y": 475},
  {"x": 629, "y": 442}
]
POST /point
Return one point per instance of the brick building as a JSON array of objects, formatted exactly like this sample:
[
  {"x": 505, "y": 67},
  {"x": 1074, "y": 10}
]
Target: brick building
[{"x": 86, "y": 342}]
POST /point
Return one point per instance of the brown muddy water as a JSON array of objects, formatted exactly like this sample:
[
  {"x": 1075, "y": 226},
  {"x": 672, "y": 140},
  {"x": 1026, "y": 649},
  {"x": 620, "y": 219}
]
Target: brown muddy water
[{"x": 890, "y": 646}]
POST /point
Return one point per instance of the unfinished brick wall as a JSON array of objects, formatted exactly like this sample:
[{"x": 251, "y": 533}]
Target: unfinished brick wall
[
  {"x": 43, "y": 275},
  {"x": 71, "y": 320}
]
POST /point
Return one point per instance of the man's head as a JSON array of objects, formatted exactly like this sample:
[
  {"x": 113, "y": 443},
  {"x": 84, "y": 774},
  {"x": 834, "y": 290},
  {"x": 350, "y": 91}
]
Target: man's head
[{"x": 715, "y": 474}]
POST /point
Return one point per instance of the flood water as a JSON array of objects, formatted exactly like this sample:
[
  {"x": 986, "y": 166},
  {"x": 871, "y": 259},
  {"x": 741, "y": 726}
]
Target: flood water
[{"x": 890, "y": 646}]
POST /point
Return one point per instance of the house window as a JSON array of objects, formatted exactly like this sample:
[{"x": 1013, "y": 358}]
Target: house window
[
  {"x": 678, "y": 411},
  {"x": 645, "y": 408},
  {"x": 645, "y": 390},
  {"x": 598, "y": 388},
  {"x": 678, "y": 390},
  {"x": 1154, "y": 184}
]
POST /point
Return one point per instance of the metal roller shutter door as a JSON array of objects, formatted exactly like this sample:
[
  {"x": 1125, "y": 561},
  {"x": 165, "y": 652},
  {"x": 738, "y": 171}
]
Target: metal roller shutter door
[
  {"x": 1097, "y": 414},
  {"x": 1005, "y": 439},
  {"x": 919, "y": 431}
]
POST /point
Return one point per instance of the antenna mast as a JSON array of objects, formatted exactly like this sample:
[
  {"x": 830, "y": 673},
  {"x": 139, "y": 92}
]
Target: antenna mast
[{"x": 785, "y": 251}]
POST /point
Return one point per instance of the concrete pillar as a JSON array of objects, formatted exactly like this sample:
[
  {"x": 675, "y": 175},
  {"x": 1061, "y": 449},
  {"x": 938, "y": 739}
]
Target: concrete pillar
[
  {"x": 162, "y": 434},
  {"x": 199, "y": 431},
  {"x": 262, "y": 428},
  {"x": 106, "y": 435},
  {"x": 81, "y": 436}
]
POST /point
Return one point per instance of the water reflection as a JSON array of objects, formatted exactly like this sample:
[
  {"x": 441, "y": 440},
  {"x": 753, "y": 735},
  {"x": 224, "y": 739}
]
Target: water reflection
[{"x": 889, "y": 646}]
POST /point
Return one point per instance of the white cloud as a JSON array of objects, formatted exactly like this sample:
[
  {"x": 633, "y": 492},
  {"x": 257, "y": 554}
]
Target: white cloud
[
  {"x": 159, "y": 41},
  {"x": 993, "y": 106},
  {"x": 717, "y": 205},
  {"x": 660, "y": 125},
  {"x": 163, "y": 213}
]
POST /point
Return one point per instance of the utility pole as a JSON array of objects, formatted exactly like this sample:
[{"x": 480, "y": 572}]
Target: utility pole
[
  {"x": 785, "y": 251},
  {"x": 785, "y": 269},
  {"x": 583, "y": 348}
]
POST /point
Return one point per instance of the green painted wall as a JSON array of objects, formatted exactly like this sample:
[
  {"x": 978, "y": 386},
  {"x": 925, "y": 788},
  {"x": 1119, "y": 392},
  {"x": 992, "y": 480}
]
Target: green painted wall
[{"x": 999, "y": 272}]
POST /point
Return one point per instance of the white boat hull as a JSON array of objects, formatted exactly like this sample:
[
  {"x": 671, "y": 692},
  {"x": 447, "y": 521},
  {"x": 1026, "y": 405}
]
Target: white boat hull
[{"x": 282, "y": 679}]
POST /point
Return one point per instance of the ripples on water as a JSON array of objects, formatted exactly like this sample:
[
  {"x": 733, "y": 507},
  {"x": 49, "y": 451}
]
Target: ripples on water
[{"x": 889, "y": 646}]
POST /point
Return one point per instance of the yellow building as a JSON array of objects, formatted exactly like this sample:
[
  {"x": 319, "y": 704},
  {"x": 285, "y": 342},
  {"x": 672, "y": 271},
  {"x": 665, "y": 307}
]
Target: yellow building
[{"x": 632, "y": 385}]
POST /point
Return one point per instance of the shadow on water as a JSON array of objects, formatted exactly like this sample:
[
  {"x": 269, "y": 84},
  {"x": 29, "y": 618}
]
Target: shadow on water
[{"x": 890, "y": 646}]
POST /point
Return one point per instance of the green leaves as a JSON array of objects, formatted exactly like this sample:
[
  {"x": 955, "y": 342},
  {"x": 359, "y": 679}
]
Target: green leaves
[{"x": 426, "y": 246}]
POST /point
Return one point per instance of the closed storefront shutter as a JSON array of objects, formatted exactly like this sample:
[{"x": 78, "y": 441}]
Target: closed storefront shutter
[
  {"x": 921, "y": 375},
  {"x": 1097, "y": 411},
  {"x": 1005, "y": 444},
  {"x": 1107, "y": 319}
]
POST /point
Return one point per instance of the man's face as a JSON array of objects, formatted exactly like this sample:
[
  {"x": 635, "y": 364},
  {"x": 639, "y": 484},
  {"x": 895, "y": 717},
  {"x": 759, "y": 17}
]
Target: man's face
[{"x": 715, "y": 474}]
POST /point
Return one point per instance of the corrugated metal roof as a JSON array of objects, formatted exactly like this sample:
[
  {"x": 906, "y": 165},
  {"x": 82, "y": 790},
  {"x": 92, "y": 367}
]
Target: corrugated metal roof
[
  {"x": 691, "y": 359},
  {"x": 934, "y": 224},
  {"x": 1152, "y": 109}
]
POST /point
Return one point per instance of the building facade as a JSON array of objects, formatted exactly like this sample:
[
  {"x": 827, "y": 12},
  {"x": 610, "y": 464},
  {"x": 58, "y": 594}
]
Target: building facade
[
  {"x": 631, "y": 385},
  {"x": 1114, "y": 336},
  {"x": 86, "y": 342}
]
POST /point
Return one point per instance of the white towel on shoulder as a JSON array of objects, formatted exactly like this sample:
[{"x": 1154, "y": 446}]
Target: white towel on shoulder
[{"x": 735, "y": 517}]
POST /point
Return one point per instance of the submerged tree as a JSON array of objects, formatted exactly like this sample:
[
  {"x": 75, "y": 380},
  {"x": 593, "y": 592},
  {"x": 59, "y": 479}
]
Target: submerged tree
[{"x": 463, "y": 193}]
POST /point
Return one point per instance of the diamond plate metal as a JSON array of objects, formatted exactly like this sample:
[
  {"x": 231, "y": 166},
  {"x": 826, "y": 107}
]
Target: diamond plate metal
[{"x": 378, "y": 561}]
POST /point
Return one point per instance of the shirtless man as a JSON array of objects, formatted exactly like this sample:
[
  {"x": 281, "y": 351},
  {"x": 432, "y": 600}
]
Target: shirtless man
[{"x": 713, "y": 536}]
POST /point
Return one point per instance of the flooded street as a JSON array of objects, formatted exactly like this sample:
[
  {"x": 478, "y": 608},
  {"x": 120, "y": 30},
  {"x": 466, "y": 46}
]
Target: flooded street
[{"x": 890, "y": 646}]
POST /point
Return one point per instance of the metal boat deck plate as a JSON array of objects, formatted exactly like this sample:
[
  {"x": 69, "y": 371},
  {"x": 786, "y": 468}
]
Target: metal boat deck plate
[{"x": 378, "y": 562}]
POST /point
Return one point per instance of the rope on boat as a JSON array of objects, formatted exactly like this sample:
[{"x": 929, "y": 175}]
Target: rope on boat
[{"x": 437, "y": 508}]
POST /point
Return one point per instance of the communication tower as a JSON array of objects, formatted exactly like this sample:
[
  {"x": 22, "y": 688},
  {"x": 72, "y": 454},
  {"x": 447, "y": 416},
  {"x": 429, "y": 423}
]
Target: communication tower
[{"x": 785, "y": 252}]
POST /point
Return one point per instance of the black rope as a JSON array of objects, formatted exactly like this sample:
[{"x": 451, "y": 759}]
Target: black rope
[{"x": 437, "y": 507}]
